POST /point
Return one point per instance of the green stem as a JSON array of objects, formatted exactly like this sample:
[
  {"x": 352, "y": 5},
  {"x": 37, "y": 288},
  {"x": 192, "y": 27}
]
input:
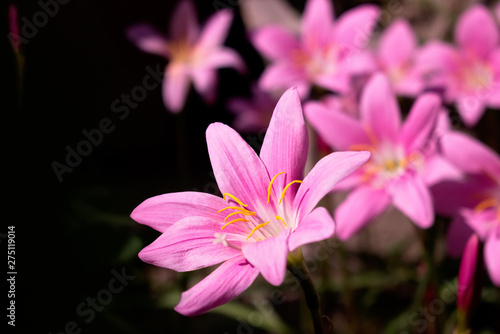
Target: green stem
[{"x": 300, "y": 271}]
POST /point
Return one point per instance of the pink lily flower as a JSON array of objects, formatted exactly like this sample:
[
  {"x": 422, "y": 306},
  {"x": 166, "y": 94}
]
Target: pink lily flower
[
  {"x": 479, "y": 200},
  {"x": 396, "y": 55},
  {"x": 252, "y": 114},
  {"x": 326, "y": 53},
  {"x": 469, "y": 278},
  {"x": 404, "y": 161},
  {"x": 266, "y": 211},
  {"x": 469, "y": 72},
  {"x": 193, "y": 55}
]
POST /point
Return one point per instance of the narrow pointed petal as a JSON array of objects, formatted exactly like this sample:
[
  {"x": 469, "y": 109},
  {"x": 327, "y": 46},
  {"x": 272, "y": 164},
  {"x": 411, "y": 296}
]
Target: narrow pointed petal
[
  {"x": 379, "y": 108},
  {"x": 471, "y": 108},
  {"x": 477, "y": 31},
  {"x": 458, "y": 234},
  {"x": 470, "y": 155},
  {"x": 316, "y": 226},
  {"x": 338, "y": 129},
  {"x": 175, "y": 87},
  {"x": 411, "y": 196},
  {"x": 205, "y": 83},
  {"x": 469, "y": 266},
  {"x": 188, "y": 245},
  {"x": 358, "y": 209},
  {"x": 281, "y": 75},
  {"x": 491, "y": 251},
  {"x": 215, "y": 31},
  {"x": 324, "y": 176},
  {"x": 184, "y": 22},
  {"x": 354, "y": 27},
  {"x": 286, "y": 142},
  {"x": 148, "y": 39},
  {"x": 397, "y": 44},
  {"x": 237, "y": 168},
  {"x": 420, "y": 123},
  {"x": 437, "y": 169},
  {"x": 269, "y": 256},
  {"x": 161, "y": 212},
  {"x": 317, "y": 23},
  {"x": 228, "y": 281},
  {"x": 223, "y": 57},
  {"x": 274, "y": 42}
]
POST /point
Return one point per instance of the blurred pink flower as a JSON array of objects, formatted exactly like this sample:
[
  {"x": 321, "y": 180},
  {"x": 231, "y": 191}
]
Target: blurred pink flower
[
  {"x": 14, "y": 35},
  {"x": 326, "y": 53},
  {"x": 193, "y": 55},
  {"x": 252, "y": 114},
  {"x": 404, "y": 160},
  {"x": 469, "y": 72},
  {"x": 265, "y": 212},
  {"x": 396, "y": 54},
  {"x": 476, "y": 198},
  {"x": 470, "y": 276}
]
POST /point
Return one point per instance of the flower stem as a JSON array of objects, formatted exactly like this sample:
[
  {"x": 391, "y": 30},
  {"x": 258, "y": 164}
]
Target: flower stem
[{"x": 300, "y": 271}]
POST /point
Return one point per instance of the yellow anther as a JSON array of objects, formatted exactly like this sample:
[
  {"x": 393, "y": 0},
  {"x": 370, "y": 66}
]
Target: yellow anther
[
  {"x": 391, "y": 165},
  {"x": 270, "y": 185},
  {"x": 256, "y": 228},
  {"x": 282, "y": 220},
  {"x": 235, "y": 221},
  {"x": 232, "y": 207},
  {"x": 234, "y": 198},
  {"x": 486, "y": 204},
  {"x": 245, "y": 212},
  {"x": 286, "y": 188}
]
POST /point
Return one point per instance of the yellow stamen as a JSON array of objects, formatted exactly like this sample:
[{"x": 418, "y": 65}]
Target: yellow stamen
[
  {"x": 256, "y": 228},
  {"x": 282, "y": 220},
  {"x": 486, "y": 204},
  {"x": 270, "y": 185},
  {"x": 234, "y": 198},
  {"x": 234, "y": 221},
  {"x": 246, "y": 212},
  {"x": 286, "y": 188},
  {"x": 232, "y": 207}
]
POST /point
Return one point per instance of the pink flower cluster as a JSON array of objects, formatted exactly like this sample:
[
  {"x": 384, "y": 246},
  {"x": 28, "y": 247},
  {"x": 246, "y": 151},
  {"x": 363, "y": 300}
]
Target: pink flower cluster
[{"x": 417, "y": 164}]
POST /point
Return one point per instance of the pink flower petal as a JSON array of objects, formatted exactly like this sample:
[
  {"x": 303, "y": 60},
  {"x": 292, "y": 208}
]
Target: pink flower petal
[
  {"x": 175, "y": 87},
  {"x": 437, "y": 58},
  {"x": 184, "y": 22},
  {"x": 468, "y": 273},
  {"x": 397, "y": 44},
  {"x": 491, "y": 252},
  {"x": 420, "y": 123},
  {"x": 223, "y": 57},
  {"x": 477, "y": 31},
  {"x": 281, "y": 75},
  {"x": 411, "y": 196},
  {"x": 148, "y": 39},
  {"x": 482, "y": 223},
  {"x": 471, "y": 108},
  {"x": 469, "y": 154},
  {"x": 161, "y": 212},
  {"x": 316, "y": 226},
  {"x": 458, "y": 234},
  {"x": 269, "y": 256},
  {"x": 215, "y": 31},
  {"x": 379, "y": 108},
  {"x": 358, "y": 209},
  {"x": 338, "y": 129},
  {"x": 354, "y": 27},
  {"x": 188, "y": 245},
  {"x": 324, "y": 176},
  {"x": 437, "y": 169},
  {"x": 286, "y": 142},
  {"x": 222, "y": 285},
  {"x": 317, "y": 23},
  {"x": 237, "y": 168},
  {"x": 274, "y": 42},
  {"x": 205, "y": 83}
]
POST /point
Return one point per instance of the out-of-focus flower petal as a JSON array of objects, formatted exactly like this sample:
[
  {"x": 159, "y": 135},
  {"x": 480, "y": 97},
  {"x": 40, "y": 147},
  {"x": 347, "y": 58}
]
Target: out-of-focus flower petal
[
  {"x": 229, "y": 280},
  {"x": 274, "y": 42},
  {"x": 397, "y": 44},
  {"x": 354, "y": 27},
  {"x": 224, "y": 57},
  {"x": 215, "y": 31},
  {"x": 175, "y": 87},
  {"x": 412, "y": 197},
  {"x": 205, "y": 83},
  {"x": 184, "y": 23},
  {"x": 358, "y": 209},
  {"x": 282, "y": 75},
  {"x": 491, "y": 251},
  {"x": 148, "y": 39},
  {"x": 317, "y": 23}
]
